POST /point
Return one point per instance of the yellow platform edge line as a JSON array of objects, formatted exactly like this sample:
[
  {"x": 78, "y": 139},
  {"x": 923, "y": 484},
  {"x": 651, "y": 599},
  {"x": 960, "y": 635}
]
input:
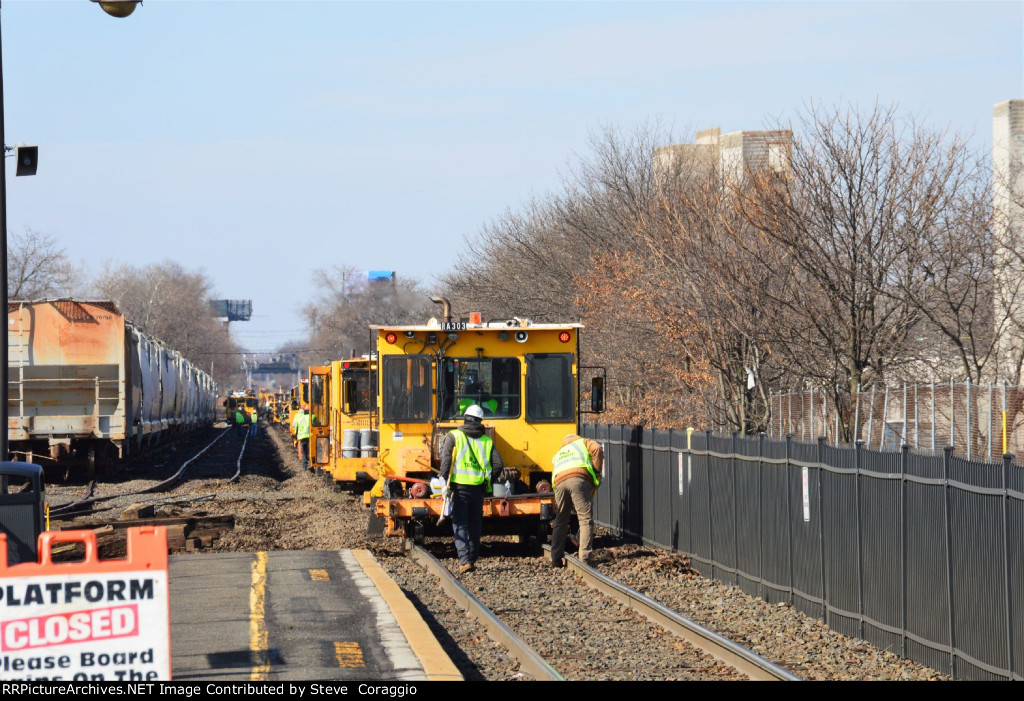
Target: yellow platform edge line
[{"x": 436, "y": 663}]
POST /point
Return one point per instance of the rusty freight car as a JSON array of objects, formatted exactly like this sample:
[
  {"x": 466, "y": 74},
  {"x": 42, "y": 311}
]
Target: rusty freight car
[{"x": 85, "y": 385}]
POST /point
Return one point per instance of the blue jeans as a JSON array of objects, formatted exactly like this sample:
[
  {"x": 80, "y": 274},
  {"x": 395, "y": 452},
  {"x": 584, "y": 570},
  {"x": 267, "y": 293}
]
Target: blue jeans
[
  {"x": 252, "y": 428},
  {"x": 467, "y": 520}
]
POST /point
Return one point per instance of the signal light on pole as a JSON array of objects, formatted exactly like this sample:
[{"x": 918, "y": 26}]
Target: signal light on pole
[{"x": 27, "y": 158}]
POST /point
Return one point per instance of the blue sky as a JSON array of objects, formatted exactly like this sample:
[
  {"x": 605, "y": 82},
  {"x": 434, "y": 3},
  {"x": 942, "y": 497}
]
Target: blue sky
[{"x": 254, "y": 140}]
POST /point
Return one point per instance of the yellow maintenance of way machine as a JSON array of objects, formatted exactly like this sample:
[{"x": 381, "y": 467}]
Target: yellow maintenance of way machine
[
  {"x": 343, "y": 435},
  {"x": 525, "y": 376}
]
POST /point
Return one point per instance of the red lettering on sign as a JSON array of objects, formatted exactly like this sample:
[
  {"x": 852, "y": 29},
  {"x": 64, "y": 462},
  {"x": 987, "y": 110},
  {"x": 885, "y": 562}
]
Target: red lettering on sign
[{"x": 73, "y": 627}]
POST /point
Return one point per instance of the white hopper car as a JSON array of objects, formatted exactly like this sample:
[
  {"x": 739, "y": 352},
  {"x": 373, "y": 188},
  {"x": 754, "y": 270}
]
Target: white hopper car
[{"x": 85, "y": 384}]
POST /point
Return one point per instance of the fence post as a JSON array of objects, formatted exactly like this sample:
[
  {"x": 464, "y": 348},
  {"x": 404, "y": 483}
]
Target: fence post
[
  {"x": 1007, "y": 461},
  {"x": 856, "y": 417},
  {"x": 760, "y": 512},
  {"x": 689, "y": 490},
  {"x": 933, "y": 416},
  {"x": 917, "y": 420},
  {"x": 904, "y": 464},
  {"x": 946, "y": 458},
  {"x": 821, "y": 531},
  {"x": 857, "y": 448},
  {"x": 711, "y": 520},
  {"x": 885, "y": 419},
  {"x": 735, "y": 509},
  {"x": 970, "y": 437},
  {"x": 871, "y": 414},
  {"x": 790, "y": 515}
]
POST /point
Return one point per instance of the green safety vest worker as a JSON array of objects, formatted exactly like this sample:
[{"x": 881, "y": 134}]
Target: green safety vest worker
[
  {"x": 239, "y": 416},
  {"x": 573, "y": 456},
  {"x": 472, "y": 460},
  {"x": 491, "y": 404},
  {"x": 301, "y": 425}
]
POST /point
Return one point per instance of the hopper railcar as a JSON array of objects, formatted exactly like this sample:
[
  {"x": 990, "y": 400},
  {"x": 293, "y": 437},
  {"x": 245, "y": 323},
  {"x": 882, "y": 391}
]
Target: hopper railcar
[{"x": 87, "y": 386}]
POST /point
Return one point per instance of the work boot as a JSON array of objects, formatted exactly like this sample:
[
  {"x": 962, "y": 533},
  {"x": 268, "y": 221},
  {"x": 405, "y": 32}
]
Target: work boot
[
  {"x": 467, "y": 567},
  {"x": 560, "y": 562}
]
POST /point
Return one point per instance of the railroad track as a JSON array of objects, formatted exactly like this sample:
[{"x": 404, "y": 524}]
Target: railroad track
[
  {"x": 219, "y": 459},
  {"x": 673, "y": 646}
]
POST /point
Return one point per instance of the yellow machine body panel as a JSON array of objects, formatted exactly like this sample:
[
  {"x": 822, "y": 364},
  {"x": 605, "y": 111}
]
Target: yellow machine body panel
[
  {"x": 524, "y": 376},
  {"x": 353, "y": 423}
]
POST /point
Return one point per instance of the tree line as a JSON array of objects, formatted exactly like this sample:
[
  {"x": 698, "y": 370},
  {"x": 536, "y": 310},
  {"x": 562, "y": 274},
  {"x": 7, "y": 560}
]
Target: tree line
[{"x": 870, "y": 253}]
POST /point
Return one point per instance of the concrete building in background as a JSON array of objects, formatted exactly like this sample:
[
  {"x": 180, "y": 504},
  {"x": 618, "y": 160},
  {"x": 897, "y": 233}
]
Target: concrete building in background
[
  {"x": 727, "y": 154},
  {"x": 1008, "y": 219}
]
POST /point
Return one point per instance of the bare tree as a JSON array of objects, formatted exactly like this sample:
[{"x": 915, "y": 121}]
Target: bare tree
[
  {"x": 171, "y": 303},
  {"x": 37, "y": 267},
  {"x": 348, "y": 303}
]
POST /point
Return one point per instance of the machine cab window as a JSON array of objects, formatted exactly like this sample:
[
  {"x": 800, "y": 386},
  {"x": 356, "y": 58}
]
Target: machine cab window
[
  {"x": 359, "y": 394},
  {"x": 492, "y": 383},
  {"x": 550, "y": 387},
  {"x": 407, "y": 389}
]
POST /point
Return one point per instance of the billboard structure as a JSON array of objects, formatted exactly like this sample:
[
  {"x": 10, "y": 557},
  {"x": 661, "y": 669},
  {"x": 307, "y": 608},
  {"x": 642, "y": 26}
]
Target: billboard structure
[{"x": 232, "y": 309}]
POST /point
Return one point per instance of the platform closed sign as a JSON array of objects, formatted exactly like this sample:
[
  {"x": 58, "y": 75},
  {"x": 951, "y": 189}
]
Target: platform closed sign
[{"x": 91, "y": 620}]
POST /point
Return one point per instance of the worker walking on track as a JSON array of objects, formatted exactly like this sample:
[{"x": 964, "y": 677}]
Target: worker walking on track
[
  {"x": 300, "y": 425},
  {"x": 469, "y": 464},
  {"x": 576, "y": 474},
  {"x": 254, "y": 418},
  {"x": 239, "y": 422}
]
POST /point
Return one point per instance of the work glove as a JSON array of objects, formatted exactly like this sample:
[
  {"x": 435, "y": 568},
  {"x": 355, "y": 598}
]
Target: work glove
[
  {"x": 446, "y": 491},
  {"x": 509, "y": 474}
]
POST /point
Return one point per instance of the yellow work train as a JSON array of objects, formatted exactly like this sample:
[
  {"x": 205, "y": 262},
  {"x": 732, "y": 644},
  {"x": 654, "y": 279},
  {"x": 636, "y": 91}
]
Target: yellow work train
[
  {"x": 246, "y": 399},
  {"x": 343, "y": 435},
  {"x": 525, "y": 376}
]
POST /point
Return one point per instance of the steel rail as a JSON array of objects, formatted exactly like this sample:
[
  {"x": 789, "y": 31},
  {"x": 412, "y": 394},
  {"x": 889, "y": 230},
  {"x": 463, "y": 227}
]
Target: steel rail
[
  {"x": 529, "y": 659},
  {"x": 84, "y": 506},
  {"x": 719, "y": 647},
  {"x": 238, "y": 463},
  {"x": 176, "y": 477}
]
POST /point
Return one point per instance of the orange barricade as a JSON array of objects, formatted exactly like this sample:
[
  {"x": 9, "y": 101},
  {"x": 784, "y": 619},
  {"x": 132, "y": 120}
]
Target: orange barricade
[{"x": 92, "y": 620}]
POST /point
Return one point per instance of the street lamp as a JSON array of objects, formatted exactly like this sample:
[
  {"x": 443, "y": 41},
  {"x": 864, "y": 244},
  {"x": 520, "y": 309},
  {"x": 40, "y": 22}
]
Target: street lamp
[
  {"x": 118, "y": 8},
  {"x": 114, "y": 8}
]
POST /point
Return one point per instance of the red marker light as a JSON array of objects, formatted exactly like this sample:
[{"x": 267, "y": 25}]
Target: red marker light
[
  {"x": 564, "y": 337},
  {"x": 391, "y": 337},
  {"x": 344, "y": 365}
]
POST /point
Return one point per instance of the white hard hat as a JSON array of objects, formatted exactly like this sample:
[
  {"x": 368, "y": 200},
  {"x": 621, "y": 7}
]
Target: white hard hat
[{"x": 475, "y": 411}]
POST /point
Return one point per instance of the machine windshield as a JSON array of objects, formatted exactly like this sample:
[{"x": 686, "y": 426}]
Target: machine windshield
[
  {"x": 493, "y": 383},
  {"x": 407, "y": 389}
]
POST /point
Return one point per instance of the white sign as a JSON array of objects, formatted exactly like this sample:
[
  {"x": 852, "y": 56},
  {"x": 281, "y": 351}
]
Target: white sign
[
  {"x": 85, "y": 627},
  {"x": 807, "y": 494},
  {"x": 680, "y": 474}
]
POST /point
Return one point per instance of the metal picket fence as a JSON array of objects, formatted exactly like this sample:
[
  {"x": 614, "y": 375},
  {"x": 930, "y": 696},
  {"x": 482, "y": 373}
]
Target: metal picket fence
[{"x": 919, "y": 554}]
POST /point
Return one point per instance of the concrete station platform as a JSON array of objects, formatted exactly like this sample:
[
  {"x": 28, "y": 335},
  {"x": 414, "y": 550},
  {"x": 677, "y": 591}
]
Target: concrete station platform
[{"x": 294, "y": 616}]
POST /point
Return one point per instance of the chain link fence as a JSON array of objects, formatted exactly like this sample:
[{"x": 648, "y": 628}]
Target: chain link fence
[{"x": 980, "y": 422}]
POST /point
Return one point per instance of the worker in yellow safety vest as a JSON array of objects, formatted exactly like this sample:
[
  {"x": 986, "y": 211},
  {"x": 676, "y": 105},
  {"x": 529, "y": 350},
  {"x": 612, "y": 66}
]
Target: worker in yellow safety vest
[
  {"x": 576, "y": 474},
  {"x": 469, "y": 464},
  {"x": 300, "y": 426}
]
